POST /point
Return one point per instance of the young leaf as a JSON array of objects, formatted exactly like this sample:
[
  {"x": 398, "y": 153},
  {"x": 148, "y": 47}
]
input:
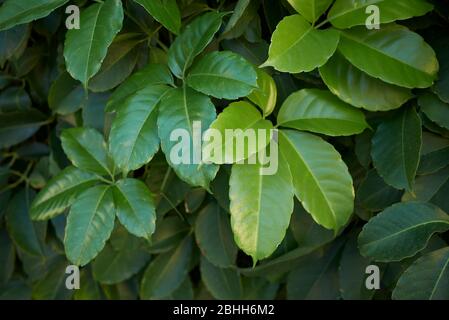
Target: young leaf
[
  {"x": 152, "y": 74},
  {"x": 134, "y": 140},
  {"x": 86, "y": 48},
  {"x": 192, "y": 41},
  {"x": 310, "y": 9},
  {"x": 322, "y": 112},
  {"x": 224, "y": 284},
  {"x": 214, "y": 236},
  {"x": 164, "y": 11},
  {"x": 349, "y": 13},
  {"x": 426, "y": 279},
  {"x": 261, "y": 206},
  {"x": 359, "y": 89},
  {"x": 320, "y": 177},
  {"x": 435, "y": 109},
  {"x": 244, "y": 119},
  {"x": 375, "y": 52},
  {"x": 89, "y": 224},
  {"x": 396, "y": 149},
  {"x": 265, "y": 95},
  {"x": 15, "y": 12},
  {"x": 135, "y": 207},
  {"x": 167, "y": 272},
  {"x": 60, "y": 193},
  {"x": 178, "y": 111},
  {"x": 86, "y": 149},
  {"x": 297, "y": 47},
  {"x": 223, "y": 75},
  {"x": 401, "y": 231}
]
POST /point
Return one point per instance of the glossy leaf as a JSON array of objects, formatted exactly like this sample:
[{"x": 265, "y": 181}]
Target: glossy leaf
[
  {"x": 164, "y": 11},
  {"x": 435, "y": 109},
  {"x": 223, "y": 75},
  {"x": 297, "y": 47},
  {"x": 310, "y": 9},
  {"x": 321, "y": 112},
  {"x": 401, "y": 231},
  {"x": 265, "y": 95},
  {"x": 320, "y": 177}
]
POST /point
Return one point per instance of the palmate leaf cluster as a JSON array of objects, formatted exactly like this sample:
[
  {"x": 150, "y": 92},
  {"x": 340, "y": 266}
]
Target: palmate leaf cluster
[{"x": 86, "y": 176}]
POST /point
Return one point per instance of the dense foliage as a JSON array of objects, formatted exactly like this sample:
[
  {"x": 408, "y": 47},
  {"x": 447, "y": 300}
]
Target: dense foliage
[{"x": 86, "y": 176}]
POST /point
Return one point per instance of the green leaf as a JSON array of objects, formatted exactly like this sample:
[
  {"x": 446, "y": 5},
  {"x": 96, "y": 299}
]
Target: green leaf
[
  {"x": 134, "y": 139},
  {"x": 13, "y": 42},
  {"x": 86, "y": 48},
  {"x": 375, "y": 52},
  {"x": 15, "y": 12},
  {"x": 7, "y": 257},
  {"x": 152, "y": 74},
  {"x": 164, "y": 11},
  {"x": 224, "y": 284},
  {"x": 19, "y": 125},
  {"x": 192, "y": 41},
  {"x": 135, "y": 207},
  {"x": 401, "y": 231},
  {"x": 265, "y": 95},
  {"x": 297, "y": 47},
  {"x": 435, "y": 109},
  {"x": 441, "y": 47},
  {"x": 116, "y": 264},
  {"x": 434, "y": 153},
  {"x": 245, "y": 121},
  {"x": 66, "y": 95},
  {"x": 310, "y": 9},
  {"x": 52, "y": 286},
  {"x": 24, "y": 233},
  {"x": 321, "y": 112},
  {"x": 359, "y": 89},
  {"x": 178, "y": 111},
  {"x": 396, "y": 148},
  {"x": 214, "y": 236},
  {"x": 89, "y": 224},
  {"x": 261, "y": 206},
  {"x": 320, "y": 177},
  {"x": 349, "y": 13},
  {"x": 223, "y": 75},
  {"x": 86, "y": 149},
  {"x": 169, "y": 233},
  {"x": 60, "y": 192},
  {"x": 426, "y": 279},
  {"x": 167, "y": 272}
]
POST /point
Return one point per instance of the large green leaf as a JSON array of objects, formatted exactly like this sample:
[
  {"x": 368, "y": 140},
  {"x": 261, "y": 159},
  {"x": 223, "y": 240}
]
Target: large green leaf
[
  {"x": 150, "y": 75},
  {"x": 118, "y": 263},
  {"x": 164, "y": 11},
  {"x": 349, "y": 13},
  {"x": 134, "y": 139},
  {"x": 60, "y": 193},
  {"x": 435, "y": 109},
  {"x": 178, "y": 111},
  {"x": 261, "y": 206},
  {"x": 396, "y": 148},
  {"x": 310, "y": 9},
  {"x": 19, "y": 125},
  {"x": 167, "y": 272},
  {"x": 426, "y": 279},
  {"x": 320, "y": 111},
  {"x": 86, "y": 149},
  {"x": 89, "y": 224},
  {"x": 214, "y": 236},
  {"x": 245, "y": 121},
  {"x": 86, "y": 48},
  {"x": 224, "y": 75},
  {"x": 192, "y": 41},
  {"x": 296, "y": 46},
  {"x": 265, "y": 95},
  {"x": 401, "y": 231},
  {"x": 359, "y": 89},
  {"x": 135, "y": 207},
  {"x": 377, "y": 53},
  {"x": 224, "y": 284},
  {"x": 320, "y": 177},
  {"x": 15, "y": 12}
]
